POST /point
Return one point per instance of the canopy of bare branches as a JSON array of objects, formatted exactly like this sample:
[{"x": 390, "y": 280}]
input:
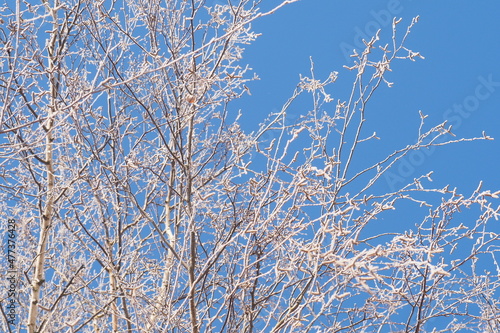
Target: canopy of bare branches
[{"x": 141, "y": 205}]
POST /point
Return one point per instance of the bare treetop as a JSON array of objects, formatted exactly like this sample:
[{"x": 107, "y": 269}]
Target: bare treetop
[{"x": 143, "y": 206}]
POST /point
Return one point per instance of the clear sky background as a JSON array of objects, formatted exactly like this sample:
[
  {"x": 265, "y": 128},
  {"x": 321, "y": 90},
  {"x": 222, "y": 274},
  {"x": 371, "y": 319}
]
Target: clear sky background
[
  {"x": 460, "y": 41},
  {"x": 458, "y": 81}
]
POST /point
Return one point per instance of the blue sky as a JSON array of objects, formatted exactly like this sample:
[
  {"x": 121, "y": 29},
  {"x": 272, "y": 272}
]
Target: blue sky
[{"x": 459, "y": 80}]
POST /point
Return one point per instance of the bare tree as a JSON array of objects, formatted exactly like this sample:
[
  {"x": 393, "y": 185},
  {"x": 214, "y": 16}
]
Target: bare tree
[{"x": 143, "y": 205}]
